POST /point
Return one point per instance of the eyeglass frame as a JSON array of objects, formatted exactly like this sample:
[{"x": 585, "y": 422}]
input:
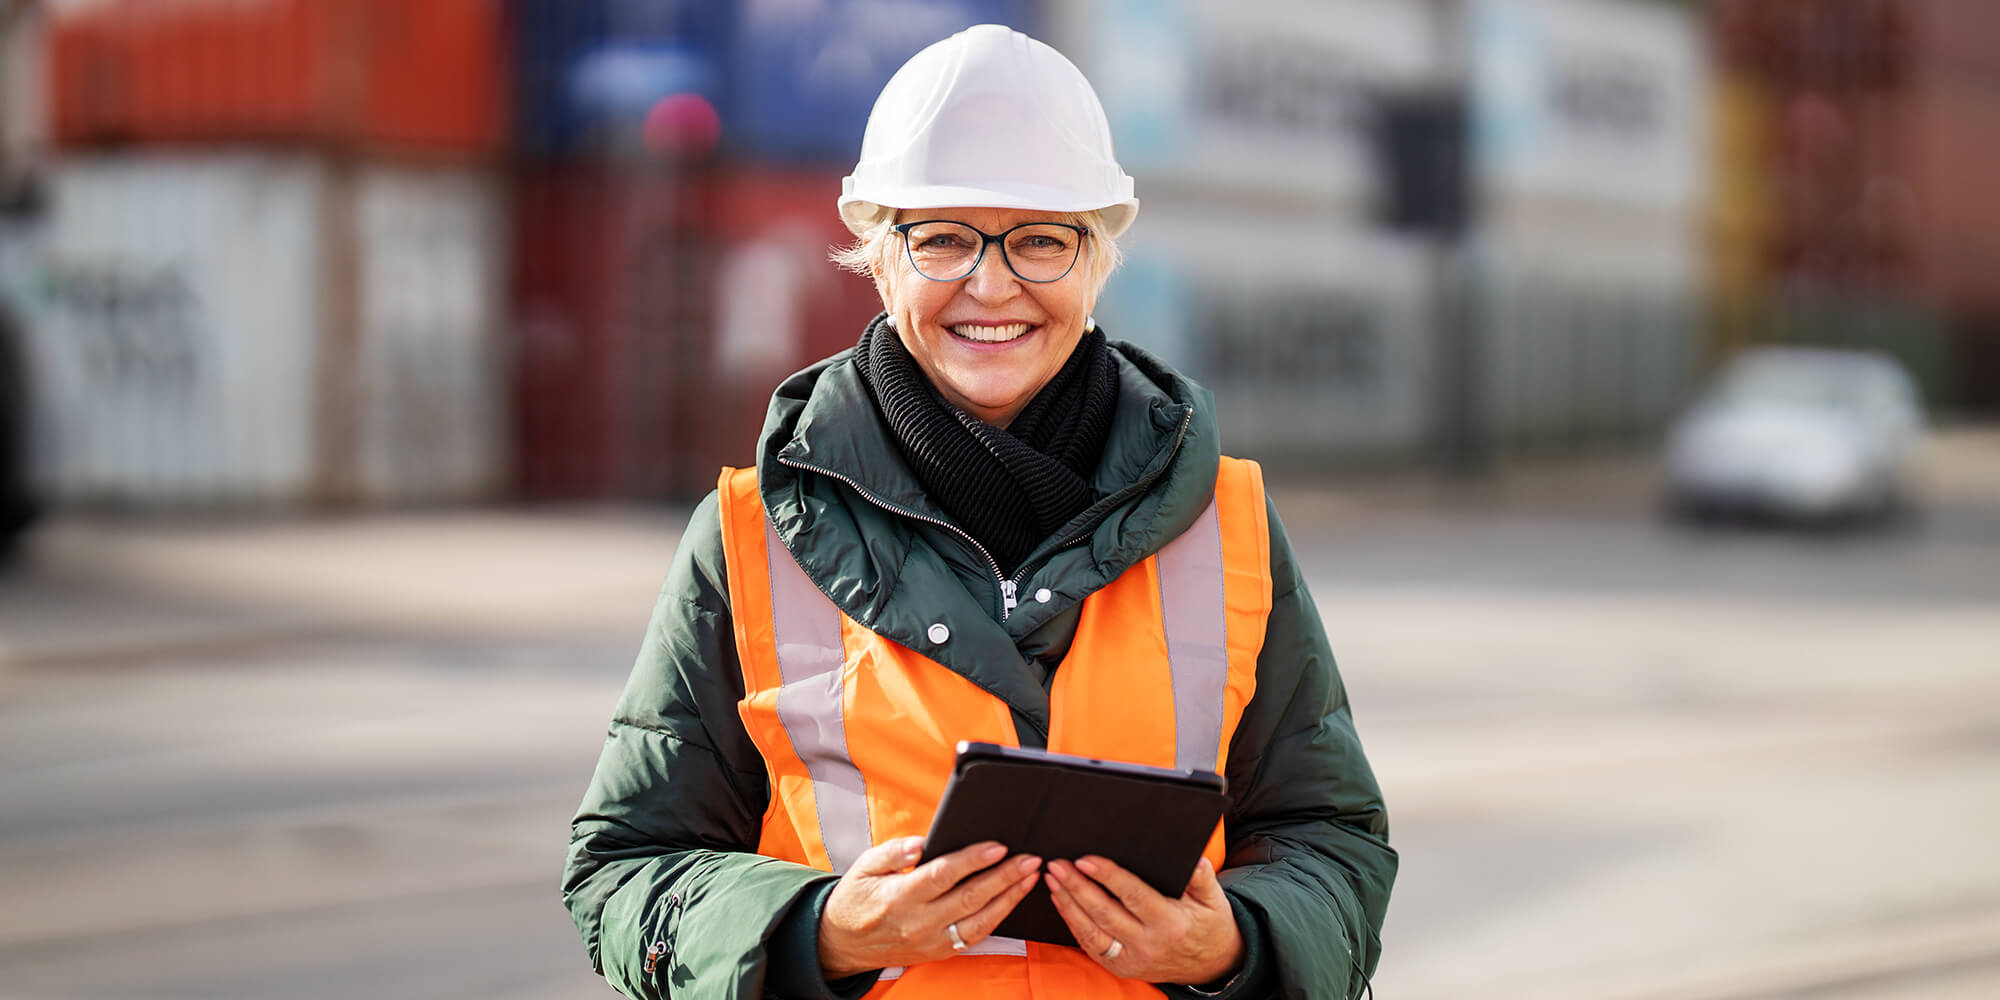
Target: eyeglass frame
[{"x": 988, "y": 239}]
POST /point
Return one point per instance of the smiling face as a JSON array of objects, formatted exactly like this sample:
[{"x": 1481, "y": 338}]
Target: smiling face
[{"x": 990, "y": 341}]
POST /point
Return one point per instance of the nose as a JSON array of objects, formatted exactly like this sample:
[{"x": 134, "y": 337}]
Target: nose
[{"x": 991, "y": 280}]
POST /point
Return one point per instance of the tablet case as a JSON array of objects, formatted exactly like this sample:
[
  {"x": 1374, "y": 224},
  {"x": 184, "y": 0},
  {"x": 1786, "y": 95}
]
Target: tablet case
[{"x": 1153, "y": 821}]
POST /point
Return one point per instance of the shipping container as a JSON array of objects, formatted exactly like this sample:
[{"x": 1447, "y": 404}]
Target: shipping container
[
  {"x": 1586, "y": 280},
  {"x": 1272, "y": 101},
  {"x": 784, "y": 82},
  {"x": 1945, "y": 41},
  {"x": 226, "y": 328},
  {"x": 655, "y": 312},
  {"x": 586, "y": 73},
  {"x": 1588, "y": 101},
  {"x": 413, "y": 76},
  {"x": 1585, "y": 342},
  {"x": 609, "y": 300},
  {"x": 1880, "y": 125},
  {"x": 429, "y": 412},
  {"x": 22, "y": 121},
  {"x": 1314, "y": 335},
  {"x": 1256, "y": 266},
  {"x": 1944, "y": 196},
  {"x": 802, "y": 77}
]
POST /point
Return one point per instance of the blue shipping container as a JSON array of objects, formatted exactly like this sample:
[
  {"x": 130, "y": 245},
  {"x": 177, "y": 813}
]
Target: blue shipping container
[
  {"x": 803, "y": 74},
  {"x": 586, "y": 72}
]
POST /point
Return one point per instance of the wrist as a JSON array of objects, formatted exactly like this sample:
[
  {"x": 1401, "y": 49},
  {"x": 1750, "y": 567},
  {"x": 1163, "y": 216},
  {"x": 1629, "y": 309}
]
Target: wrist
[
  {"x": 1218, "y": 977},
  {"x": 833, "y": 961},
  {"x": 1250, "y": 974}
]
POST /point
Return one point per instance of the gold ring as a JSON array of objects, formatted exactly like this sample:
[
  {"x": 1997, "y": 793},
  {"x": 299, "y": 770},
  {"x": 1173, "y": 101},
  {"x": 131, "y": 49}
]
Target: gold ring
[
  {"x": 1117, "y": 948},
  {"x": 957, "y": 943}
]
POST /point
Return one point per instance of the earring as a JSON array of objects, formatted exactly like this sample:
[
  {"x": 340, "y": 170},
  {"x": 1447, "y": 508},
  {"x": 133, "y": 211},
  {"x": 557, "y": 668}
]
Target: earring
[{"x": 1090, "y": 324}]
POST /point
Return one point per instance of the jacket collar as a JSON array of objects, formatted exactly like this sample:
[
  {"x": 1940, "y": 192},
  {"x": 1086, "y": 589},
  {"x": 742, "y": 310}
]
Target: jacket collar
[{"x": 824, "y": 419}]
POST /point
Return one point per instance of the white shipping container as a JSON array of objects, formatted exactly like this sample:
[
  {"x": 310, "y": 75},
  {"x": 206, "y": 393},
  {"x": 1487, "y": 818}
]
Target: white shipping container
[
  {"x": 200, "y": 305},
  {"x": 1584, "y": 342},
  {"x": 432, "y": 379},
  {"x": 1271, "y": 99},
  {"x": 1314, "y": 335},
  {"x": 1602, "y": 101},
  {"x": 1590, "y": 151}
]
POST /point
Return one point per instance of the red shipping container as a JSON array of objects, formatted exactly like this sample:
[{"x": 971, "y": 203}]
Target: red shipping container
[
  {"x": 654, "y": 314},
  {"x": 1951, "y": 40},
  {"x": 409, "y": 75},
  {"x": 780, "y": 304},
  {"x": 594, "y": 285},
  {"x": 1950, "y": 150}
]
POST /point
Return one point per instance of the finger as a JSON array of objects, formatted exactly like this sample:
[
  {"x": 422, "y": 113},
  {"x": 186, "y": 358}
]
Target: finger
[
  {"x": 888, "y": 857},
  {"x": 942, "y": 875},
  {"x": 976, "y": 927},
  {"x": 1142, "y": 900},
  {"x": 973, "y": 894},
  {"x": 1205, "y": 889},
  {"x": 1104, "y": 909},
  {"x": 1094, "y": 940}
]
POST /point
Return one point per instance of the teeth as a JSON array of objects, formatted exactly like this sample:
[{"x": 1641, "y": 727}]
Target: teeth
[{"x": 990, "y": 334}]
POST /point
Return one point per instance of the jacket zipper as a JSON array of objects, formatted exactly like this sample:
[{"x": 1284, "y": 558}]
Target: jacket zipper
[
  {"x": 1009, "y": 589},
  {"x": 658, "y": 949}
]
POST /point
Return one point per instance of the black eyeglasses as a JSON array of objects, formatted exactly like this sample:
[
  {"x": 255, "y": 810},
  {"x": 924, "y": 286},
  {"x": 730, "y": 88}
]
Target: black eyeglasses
[{"x": 1039, "y": 252}]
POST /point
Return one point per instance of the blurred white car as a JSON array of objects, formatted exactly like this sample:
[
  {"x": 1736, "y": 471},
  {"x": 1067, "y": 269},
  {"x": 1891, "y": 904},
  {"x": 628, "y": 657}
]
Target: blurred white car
[{"x": 1807, "y": 434}]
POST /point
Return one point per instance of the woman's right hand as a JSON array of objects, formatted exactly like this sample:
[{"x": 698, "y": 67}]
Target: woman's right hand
[{"x": 884, "y": 913}]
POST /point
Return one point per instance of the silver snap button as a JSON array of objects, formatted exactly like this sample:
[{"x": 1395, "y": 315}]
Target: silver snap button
[
  {"x": 939, "y": 633},
  {"x": 1044, "y": 595}
]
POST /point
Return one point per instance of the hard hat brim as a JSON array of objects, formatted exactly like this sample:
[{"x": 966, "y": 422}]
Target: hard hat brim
[{"x": 863, "y": 216}]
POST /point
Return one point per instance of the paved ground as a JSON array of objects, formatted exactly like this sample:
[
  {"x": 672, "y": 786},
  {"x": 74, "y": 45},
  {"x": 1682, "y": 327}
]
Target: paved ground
[{"x": 336, "y": 758}]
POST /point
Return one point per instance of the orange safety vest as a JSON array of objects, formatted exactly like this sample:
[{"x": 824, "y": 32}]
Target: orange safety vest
[{"x": 858, "y": 732}]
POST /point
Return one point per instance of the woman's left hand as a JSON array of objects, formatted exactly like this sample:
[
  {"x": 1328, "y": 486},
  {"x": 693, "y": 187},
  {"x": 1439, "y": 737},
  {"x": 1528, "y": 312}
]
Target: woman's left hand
[{"x": 1136, "y": 933}]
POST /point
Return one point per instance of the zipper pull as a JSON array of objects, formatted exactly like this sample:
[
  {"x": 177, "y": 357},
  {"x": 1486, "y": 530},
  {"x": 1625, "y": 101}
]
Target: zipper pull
[
  {"x": 1007, "y": 596},
  {"x": 653, "y": 955}
]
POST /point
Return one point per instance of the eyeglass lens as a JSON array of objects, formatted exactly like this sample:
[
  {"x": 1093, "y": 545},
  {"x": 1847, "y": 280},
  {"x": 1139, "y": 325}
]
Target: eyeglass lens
[{"x": 948, "y": 251}]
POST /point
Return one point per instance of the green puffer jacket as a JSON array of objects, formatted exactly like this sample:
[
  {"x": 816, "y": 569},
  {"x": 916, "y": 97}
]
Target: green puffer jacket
[{"x": 661, "y": 878}]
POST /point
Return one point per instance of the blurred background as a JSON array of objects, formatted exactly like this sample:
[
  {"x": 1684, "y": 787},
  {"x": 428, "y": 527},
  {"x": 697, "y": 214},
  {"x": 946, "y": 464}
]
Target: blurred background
[{"x": 1628, "y": 372}]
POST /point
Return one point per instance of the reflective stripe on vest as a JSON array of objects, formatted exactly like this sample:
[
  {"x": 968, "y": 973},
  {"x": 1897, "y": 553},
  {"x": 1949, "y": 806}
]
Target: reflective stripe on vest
[
  {"x": 857, "y": 731},
  {"x": 1191, "y": 608},
  {"x": 807, "y": 630}
]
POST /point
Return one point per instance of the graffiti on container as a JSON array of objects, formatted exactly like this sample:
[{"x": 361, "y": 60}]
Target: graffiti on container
[
  {"x": 1323, "y": 340},
  {"x": 1287, "y": 88},
  {"x": 131, "y": 327}
]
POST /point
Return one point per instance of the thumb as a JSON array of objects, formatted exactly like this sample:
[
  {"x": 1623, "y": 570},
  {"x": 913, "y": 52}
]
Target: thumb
[
  {"x": 1203, "y": 887},
  {"x": 889, "y": 857}
]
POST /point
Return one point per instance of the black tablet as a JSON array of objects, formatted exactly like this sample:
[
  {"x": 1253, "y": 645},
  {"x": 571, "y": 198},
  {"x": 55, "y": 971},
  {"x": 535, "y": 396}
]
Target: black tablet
[{"x": 1154, "y": 821}]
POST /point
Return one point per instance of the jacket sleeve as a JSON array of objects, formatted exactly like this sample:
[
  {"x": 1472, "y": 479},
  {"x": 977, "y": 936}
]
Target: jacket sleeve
[
  {"x": 662, "y": 879},
  {"x": 1309, "y": 858}
]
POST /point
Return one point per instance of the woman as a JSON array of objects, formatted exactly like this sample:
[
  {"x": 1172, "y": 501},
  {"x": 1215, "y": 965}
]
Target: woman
[{"x": 984, "y": 522}]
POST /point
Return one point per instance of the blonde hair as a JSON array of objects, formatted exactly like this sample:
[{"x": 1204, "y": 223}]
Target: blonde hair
[{"x": 867, "y": 253}]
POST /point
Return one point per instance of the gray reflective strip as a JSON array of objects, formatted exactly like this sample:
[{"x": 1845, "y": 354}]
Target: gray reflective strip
[
  {"x": 806, "y": 626},
  {"x": 991, "y": 946},
  {"x": 1191, "y": 607}
]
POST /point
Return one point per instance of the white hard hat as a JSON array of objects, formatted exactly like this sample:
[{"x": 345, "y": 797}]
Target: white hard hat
[{"x": 987, "y": 118}]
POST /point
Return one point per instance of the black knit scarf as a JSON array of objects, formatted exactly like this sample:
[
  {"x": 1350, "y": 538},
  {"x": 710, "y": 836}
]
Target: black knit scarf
[{"x": 1009, "y": 488}]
